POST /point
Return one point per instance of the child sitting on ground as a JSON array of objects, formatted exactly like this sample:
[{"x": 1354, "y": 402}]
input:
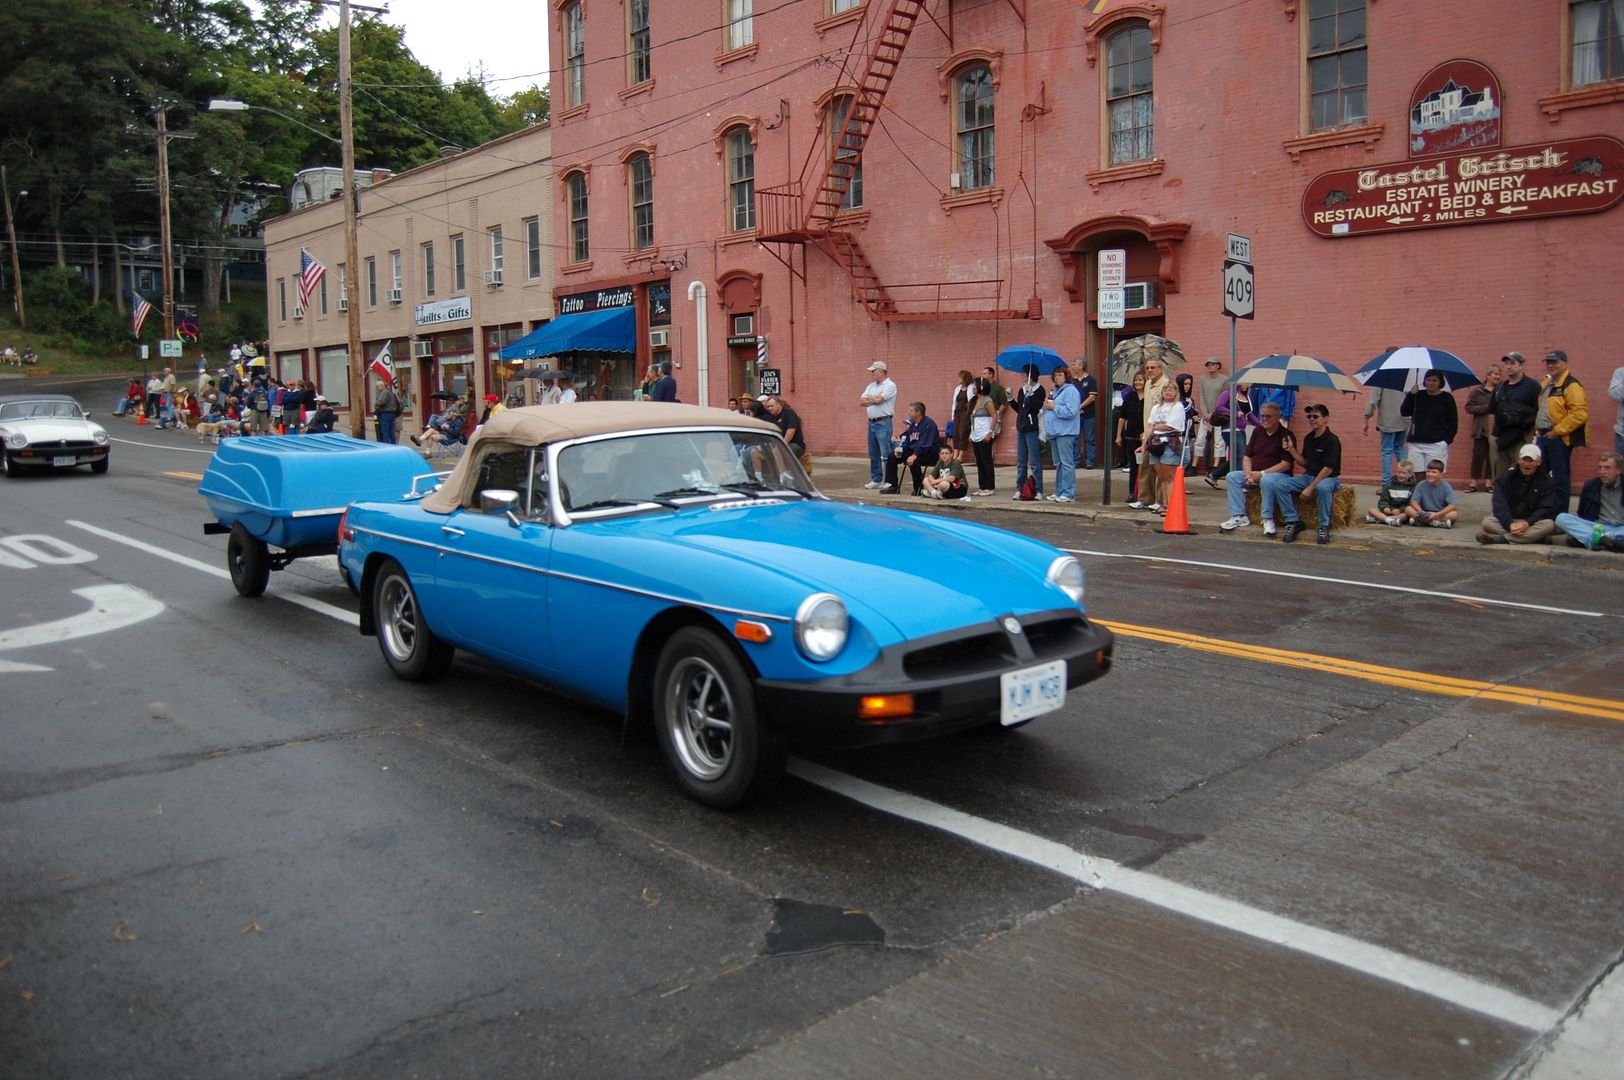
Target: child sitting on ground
[
  {"x": 945, "y": 479},
  {"x": 1394, "y": 500},
  {"x": 1433, "y": 502}
]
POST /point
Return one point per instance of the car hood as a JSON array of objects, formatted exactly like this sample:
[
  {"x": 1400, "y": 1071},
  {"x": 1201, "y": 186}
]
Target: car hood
[
  {"x": 916, "y": 572},
  {"x": 51, "y": 428}
]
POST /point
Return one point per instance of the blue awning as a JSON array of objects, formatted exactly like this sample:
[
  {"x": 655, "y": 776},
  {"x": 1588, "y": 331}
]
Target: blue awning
[{"x": 606, "y": 330}]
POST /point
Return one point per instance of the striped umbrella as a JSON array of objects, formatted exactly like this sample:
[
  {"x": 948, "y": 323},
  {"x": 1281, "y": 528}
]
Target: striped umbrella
[
  {"x": 1404, "y": 369},
  {"x": 1301, "y": 372}
]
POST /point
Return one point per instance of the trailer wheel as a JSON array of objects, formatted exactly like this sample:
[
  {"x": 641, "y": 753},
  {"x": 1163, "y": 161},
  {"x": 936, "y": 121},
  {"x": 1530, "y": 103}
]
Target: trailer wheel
[{"x": 249, "y": 561}]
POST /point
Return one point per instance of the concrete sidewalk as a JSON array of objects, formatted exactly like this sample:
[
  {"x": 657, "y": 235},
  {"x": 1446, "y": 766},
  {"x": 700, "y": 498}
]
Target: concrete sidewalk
[{"x": 843, "y": 478}]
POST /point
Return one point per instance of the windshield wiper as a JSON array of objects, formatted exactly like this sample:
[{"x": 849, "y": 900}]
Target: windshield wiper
[
  {"x": 756, "y": 487},
  {"x": 681, "y": 491},
  {"x": 604, "y": 504}
]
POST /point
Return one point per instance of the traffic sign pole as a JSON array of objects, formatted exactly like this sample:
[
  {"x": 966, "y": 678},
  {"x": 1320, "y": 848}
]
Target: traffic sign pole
[{"x": 1240, "y": 302}]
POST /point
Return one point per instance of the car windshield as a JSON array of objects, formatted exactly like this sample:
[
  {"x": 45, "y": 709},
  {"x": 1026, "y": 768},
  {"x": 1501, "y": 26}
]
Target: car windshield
[
  {"x": 670, "y": 468},
  {"x": 33, "y": 410}
]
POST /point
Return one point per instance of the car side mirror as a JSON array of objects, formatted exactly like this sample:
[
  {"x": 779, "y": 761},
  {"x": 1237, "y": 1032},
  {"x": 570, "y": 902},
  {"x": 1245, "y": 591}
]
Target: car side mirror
[{"x": 503, "y": 500}]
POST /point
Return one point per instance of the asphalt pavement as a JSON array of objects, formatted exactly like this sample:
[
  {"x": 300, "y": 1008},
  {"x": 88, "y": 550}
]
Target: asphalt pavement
[{"x": 1349, "y": 809}]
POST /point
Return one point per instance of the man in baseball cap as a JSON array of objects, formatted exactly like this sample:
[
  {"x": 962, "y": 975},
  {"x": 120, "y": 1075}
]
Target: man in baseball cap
[
  {"x": 879, "y": 401},
  {"x": 1524, "y": 503},
  {"x": 1563, "y": 422}
]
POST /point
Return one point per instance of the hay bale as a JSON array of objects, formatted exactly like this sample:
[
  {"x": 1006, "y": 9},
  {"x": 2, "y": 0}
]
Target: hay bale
[{"x": 1344, "y": 507}]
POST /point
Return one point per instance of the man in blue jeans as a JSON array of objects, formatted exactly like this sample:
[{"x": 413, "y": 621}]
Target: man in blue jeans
[
  {"x": 1062, "y": 407},
  {"x": 1266, "y": 456},
  {"x": 1321, "y": 462},
  {"x": 1088, "y": 389},
  {"x": 879, "y": 399}
]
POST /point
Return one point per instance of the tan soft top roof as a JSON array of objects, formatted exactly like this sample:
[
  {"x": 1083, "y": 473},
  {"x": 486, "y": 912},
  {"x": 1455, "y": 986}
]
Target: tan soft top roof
[{"x": 537, "y": 425}]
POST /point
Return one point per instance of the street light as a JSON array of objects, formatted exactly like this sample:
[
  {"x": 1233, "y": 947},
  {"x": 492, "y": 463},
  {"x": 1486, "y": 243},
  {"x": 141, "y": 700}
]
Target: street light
[{"x": 233, "y": 105}]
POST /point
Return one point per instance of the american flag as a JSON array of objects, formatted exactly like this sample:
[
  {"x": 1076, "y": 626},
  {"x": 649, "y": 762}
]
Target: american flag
[
  {"x": 1094, "y": 7},
  {"x": 311, "y": 271},
  {"x": 141, "y": 310}
]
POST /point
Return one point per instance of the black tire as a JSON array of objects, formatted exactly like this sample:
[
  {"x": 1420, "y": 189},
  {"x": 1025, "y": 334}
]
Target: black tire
[
  {"x": 101, "y": 465},
  {"x": 9, "y": 467},
  {"x": 411, "y": 649},
  {"x": 705, "y": 717},
  {"x": 249, "y": 561}
]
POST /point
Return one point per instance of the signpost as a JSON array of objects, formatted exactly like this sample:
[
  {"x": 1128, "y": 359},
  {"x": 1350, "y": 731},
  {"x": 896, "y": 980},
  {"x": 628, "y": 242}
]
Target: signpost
[
  {"x": 1110, "y": 312},
  {"x": 169, "y": 348},
  {"x": 1239, "y": 303}
]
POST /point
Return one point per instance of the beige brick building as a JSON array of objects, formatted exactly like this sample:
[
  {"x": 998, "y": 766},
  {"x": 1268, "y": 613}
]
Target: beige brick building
[{"x": 456, "y": 261}]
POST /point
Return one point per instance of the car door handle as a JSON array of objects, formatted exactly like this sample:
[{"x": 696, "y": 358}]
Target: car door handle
[{"x": 451, "y": 530}]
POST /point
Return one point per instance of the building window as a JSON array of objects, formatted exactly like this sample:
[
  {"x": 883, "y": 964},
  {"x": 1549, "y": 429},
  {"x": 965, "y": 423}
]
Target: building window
[
  {"x": 1337, "y": 63},
  {"x": 532, "y": 248},
  {"x": 574, "y": 56},
  {"x": 741, "y": 180},
  {"x": 640, "y": 179},
  {"x": 837, "y": 6},
  {"x": 973, "y": 127},
  {"x": 344, "y": 284},
  {"x": 845, "y": 164},
  {"x": 282, "y": 299},
  {"x": 495, "y": 233},
  {"x": 146, "y": 280},
  {"x": 637, "y": 50},
  {"x": 394, "y": 271},
  {"x": 740, "y": 24},
  {"x": 1598, "y": 41},
  {"x": 575, "y": 191},
  {"x": 321, "y": 290},
  {"x": 372, "y": 282},
  {"x": 428, "y": 268},
  {"x": 459, "y": 266},
  {"x": 1128, "y": 101}
]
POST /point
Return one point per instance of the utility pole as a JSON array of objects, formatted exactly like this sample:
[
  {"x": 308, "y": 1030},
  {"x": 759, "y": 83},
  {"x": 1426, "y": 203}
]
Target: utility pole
[
  {"x": 163, "y": 222},
  {"x": 11, "y": 234},
  {"x": 352, "y": 274}
]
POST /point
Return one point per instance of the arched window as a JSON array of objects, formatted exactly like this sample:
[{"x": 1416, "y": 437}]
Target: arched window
[
  {"x": 845, "y": 164},
  {"x": 973, "y": 127},
  {"x": 580, "y": 246},
  {"x": 1128, "y": 98},
  {"x": 741, "y": 180},
  {"x": 640, "y": 181}
]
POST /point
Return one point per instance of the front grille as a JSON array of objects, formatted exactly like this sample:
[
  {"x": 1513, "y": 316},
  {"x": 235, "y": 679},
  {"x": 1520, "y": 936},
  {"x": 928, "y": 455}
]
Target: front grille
[
  {"x": 982, "y": 652},
  {"x": 73, "y": 446},
  {"x": 1055, "y": 637}
]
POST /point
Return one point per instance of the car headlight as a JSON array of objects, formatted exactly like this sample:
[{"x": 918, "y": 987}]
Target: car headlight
[
  {"x": 101, "y": 437},
  {"x": 1067, "y": 573},
  {"x": 17, "y": 441},
  {"x": 821, "y": 626}
]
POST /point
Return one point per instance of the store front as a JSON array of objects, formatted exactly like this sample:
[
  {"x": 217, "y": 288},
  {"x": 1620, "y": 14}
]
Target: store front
[
  {"x": 445, "y": 359},
  {"x": 598, "y": 337},
  {"x": 333, "y": 375},
  {"x": 291, "y": 365},
  {"x": 500, "y": 375}
]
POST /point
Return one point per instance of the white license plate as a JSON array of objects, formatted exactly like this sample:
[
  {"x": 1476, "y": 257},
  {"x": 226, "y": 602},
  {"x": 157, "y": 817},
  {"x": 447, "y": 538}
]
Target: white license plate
[
  {"x": 1032, "y": 691},
  {"x": 65, "y": 460}
]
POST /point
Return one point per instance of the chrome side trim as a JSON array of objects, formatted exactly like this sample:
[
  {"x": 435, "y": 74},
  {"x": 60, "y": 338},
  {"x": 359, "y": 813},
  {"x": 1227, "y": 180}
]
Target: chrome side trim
[
  {"x": 610, "y": 585},
  {"x": 319, "y": 513}
]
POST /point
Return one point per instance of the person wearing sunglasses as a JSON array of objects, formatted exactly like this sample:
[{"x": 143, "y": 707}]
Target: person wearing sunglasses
[{"x": 1320, "y": 458}]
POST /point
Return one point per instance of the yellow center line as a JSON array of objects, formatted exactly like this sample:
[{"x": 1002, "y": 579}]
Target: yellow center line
[
  {"x": 186, "y": 475},
  {"x": 1605, "y": 708}
]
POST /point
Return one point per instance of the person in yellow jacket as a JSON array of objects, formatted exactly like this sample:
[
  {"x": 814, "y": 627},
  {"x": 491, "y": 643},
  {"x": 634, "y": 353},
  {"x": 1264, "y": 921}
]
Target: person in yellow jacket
[{"x": 1564, "y": 415}]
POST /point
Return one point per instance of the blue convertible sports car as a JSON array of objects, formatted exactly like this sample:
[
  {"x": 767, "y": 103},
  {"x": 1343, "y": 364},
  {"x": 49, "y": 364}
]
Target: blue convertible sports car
[{"x": 676, "y": 564}]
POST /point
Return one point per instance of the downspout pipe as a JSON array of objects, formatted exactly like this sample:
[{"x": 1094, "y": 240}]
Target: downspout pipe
[{"x": 696, "y": 293}]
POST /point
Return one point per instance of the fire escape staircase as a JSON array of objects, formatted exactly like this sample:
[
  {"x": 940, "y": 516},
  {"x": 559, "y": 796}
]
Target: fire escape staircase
[{"x": 785, "y": 215}]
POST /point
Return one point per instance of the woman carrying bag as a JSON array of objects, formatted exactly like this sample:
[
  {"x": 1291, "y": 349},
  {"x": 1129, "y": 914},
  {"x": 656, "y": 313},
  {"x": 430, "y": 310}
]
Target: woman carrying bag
[{"x": 983, "y": 412}]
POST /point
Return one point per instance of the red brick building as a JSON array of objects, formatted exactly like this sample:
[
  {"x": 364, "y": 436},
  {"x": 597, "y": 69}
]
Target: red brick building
[{"x": 983, "y": 151}]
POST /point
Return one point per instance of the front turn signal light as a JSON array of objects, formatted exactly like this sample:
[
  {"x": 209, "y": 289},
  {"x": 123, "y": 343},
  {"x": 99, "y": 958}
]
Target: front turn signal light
[{"x": 879, "y": 708}]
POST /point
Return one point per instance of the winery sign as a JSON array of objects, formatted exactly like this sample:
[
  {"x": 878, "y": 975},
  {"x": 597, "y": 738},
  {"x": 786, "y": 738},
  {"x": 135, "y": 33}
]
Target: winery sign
[{"x": 1473, "y": 187}]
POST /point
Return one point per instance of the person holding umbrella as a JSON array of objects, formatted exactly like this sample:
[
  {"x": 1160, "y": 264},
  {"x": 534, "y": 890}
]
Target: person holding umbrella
[
  {"x": 1434, "y": 421},
  {"x": 1029, "y": 400}
]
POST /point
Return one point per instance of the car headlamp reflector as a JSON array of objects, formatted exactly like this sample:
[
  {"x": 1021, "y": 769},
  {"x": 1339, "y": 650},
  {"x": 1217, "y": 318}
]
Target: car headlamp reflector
[
  {"x": 1067, "y": 573},
  {"x": 821, "y": 626},
  {"x": 17, "y": 441},
  {"x": 101, "y": 438}
]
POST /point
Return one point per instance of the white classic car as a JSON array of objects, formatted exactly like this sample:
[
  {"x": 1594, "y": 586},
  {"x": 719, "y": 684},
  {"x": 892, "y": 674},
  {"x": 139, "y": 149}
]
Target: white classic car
[{"x": 49, "y": 431}]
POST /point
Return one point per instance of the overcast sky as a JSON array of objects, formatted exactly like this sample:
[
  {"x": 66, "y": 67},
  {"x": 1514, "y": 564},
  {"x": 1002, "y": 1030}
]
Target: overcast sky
[{"x": 454, "y": 37}]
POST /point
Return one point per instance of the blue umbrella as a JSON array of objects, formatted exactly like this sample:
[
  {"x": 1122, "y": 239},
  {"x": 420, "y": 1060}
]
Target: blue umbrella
[
  {"x": 1020, "y": 357},
  {"x": 1301, "y": 372},
  {"x": 1404, "y": 369}
]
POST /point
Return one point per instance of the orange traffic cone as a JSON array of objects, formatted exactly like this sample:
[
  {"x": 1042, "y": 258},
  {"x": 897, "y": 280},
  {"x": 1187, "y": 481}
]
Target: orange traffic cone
[
  {"x": 141, "y": 418},
  {"x": 281, "y": 429},
  {"x": 1177, "y": 521}
]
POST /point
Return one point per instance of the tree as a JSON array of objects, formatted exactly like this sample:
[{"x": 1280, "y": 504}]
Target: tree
[{"x": 526, "y": 108}]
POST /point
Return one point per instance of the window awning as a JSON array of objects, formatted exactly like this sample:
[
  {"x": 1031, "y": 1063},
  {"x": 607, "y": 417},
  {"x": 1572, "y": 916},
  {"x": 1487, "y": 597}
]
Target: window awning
[{"x": 606, "y": 330}]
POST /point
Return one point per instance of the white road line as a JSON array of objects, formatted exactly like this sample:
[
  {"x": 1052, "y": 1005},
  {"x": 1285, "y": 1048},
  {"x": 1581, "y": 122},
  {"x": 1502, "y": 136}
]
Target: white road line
[
  {"x": 156, "y": 446},
  {"x": 1096, "y": 873},
  {"x": 1320, "y": 578},
  {"x": 112, "y": 607},
  {"x": 321, "y": 607},
  {"x": 1363, "y": 957}
]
